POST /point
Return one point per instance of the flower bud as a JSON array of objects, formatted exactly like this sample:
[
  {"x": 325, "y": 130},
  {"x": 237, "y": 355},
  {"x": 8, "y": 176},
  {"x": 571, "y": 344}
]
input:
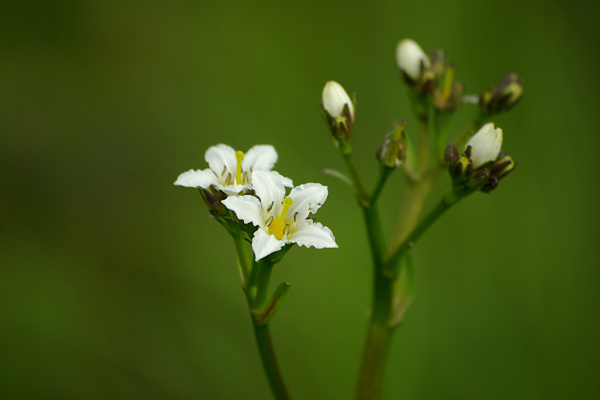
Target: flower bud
[
  {"x": 451, "y": 154},
  {"x": 213, "y": 198},
  {"x": 410, "y": 59},
  {"x": 391, "y": 151},
  {"x": 338, "y": 110},
  {"x": 485, "y": 145},
  {"x": 335, "y": 99},
  {"x": 503, "y": 165},
  {"x": 504, "y": 97}
]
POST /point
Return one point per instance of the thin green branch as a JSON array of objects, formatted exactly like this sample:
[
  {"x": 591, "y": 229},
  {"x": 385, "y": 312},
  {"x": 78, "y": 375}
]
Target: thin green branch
[
  {"x": 448, "y": 200},
  {"x": 423, "y": 148},
  {"x": 384, "y": 174},
  {"x": 361, "y": 190}
]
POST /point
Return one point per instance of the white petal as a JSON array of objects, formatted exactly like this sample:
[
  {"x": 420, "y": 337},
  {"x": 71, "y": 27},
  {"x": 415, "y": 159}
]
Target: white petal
[
  {"x": 485, "y": 144},
  {"x": 247, "y": 208},
  {"x": 335, "y": 98},
  {"x": 409, "y": 57},
  {"x": 313, "y": 234},
  {"x": 264, "y": 244},
  {"x": 196, "y": 179},
  {"x": 221, "y": 157},
  {"x": 268, "y": 187},
  {"x": 232, "y": 190},
  {"x": 284, "y": 181},
  {"x": 307, "y": 199},
  {"x": 260, "y": 158}
]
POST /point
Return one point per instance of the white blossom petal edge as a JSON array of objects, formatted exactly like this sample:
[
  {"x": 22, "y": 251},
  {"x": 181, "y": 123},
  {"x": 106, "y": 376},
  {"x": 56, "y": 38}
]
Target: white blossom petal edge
[
  {"x": 282, "y": 220},
  {"x": 231, "y": 171}
]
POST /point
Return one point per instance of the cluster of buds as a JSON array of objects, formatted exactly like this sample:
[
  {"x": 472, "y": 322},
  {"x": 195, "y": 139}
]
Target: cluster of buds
[
  {"x": 482, "y": 164},
  {"x": 392, "y": 150},
  {"x": 338, "y": 110},
  {"x": 503, "y": 97},
  {"x": 429, "y": 75}
]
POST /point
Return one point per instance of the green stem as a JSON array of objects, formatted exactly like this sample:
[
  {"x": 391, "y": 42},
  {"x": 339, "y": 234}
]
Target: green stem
[
  {"x": 414, "y": 202},
  {"x": 375, "y": 235},
  {"x": 361, "y": 190},
  {"x": 379, "y": 332},
  {"x": 423, "y": 148},
  {"x": 448, "y": 200},
  {"x": 245, "y": 256},
  {"x": 377, "y": 341},
  {"x": 384, "y": 174},
  {"x": 271, "y": 367},
  {"x": 256, "y": 287}
]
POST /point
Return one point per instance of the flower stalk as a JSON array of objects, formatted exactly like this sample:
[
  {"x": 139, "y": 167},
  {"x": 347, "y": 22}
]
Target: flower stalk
[{"x": 256, "y": 296}]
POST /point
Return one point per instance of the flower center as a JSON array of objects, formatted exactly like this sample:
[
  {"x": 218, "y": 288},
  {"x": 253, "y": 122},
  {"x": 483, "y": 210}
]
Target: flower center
[
  {"x": 238, "y": 170},
  {"x": 278, "y": 227}
]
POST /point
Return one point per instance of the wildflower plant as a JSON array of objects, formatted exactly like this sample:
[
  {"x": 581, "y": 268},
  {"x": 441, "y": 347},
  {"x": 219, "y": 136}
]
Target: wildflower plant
[{"x": 249, "y": 199}]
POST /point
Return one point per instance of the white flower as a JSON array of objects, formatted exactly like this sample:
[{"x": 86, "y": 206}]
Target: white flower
[
  {"x": 409, "y": 57},
  {"x": 334, "y": 99},
  {"x": 485, "y": 145},
  {"x": 281, "y": 220},
  {"x": 231, "y": 171}
]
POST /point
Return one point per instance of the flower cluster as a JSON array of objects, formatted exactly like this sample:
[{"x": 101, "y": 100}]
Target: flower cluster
[
  {"x": 432, "y": 75},
  {"x": 482, "y": 164},
  {"x": 245, "y": 185}
]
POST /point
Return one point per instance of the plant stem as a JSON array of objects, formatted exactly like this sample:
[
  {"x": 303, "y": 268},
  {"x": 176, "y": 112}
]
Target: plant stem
[
  {"x": 384, "y": 174},
  {"x": 423, "y": 148},
  {"x": 361, "y": 190},
  {"x": 448, "y": 200},
  {"x": 256, "y": 277},
  {"x": 377, "y": 341},
  {"x": 411, "y": 208},
  {"x": 245, "y": 255},
  {"x": 381, "y": 326},
  {"x": 271, "y": 367}
]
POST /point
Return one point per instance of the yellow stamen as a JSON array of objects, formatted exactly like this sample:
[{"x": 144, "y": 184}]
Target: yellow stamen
[
  {"x": 278, "y": 226},
  {"x": 238, "y": 171}
]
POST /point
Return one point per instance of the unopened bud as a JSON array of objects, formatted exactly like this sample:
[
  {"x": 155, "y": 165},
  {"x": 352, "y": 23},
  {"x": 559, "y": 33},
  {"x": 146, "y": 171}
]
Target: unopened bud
[
  {"x": 478, "y": 178},
  {"x": 335, "y": 99},
  {"x": 338, "y": 109},
  {"x": 391, "y": 151},
  {"x": 212, "y": 198},
  {"x": 411, "y": 59},
  {"x": 504, "y": 97},
  {"x": 490, "y": 184},
  {"x": 503, "y": 165},
  {"x": 485, "y": 145},
  {"x": 451, "y": 154}
]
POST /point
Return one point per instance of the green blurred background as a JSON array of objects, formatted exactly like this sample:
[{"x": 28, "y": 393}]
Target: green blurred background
[{"x": 115, "y": 284}]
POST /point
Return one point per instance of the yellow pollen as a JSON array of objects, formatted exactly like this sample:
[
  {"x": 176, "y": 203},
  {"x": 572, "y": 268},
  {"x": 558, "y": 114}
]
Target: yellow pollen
[
  {"x": 238, "y": 171},
  {"x": 278, "y": 225}
]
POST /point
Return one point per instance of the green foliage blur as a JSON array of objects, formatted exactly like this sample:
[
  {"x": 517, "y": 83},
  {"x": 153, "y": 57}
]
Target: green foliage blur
[{"x": 116, "y": 284}]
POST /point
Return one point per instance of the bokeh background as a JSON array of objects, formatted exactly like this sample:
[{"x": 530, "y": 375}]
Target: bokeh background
[{"x": 116, "y": 284}]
